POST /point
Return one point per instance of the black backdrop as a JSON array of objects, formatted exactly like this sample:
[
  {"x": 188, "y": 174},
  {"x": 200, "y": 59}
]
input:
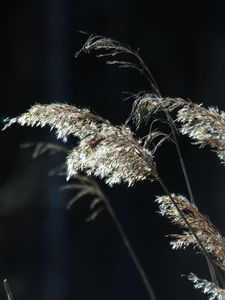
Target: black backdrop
[{"x": 47, "y": 252}]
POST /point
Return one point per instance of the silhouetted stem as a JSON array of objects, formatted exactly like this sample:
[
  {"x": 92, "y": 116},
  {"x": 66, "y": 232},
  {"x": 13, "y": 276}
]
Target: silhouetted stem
[
  {"x": 183, "y": 167},
  {"x": 133, "y": 256}
]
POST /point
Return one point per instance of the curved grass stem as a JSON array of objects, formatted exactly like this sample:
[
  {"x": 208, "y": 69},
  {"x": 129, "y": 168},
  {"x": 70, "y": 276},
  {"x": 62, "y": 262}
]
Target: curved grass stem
[{"x": 130, "y": 249}]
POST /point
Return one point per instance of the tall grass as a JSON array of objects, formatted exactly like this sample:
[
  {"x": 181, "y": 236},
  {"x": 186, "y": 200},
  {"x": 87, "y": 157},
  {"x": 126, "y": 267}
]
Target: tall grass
[{"x": 116, "y": 155}]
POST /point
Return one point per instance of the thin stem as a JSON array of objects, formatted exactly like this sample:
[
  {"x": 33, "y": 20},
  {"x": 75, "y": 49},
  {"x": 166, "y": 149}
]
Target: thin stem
[
  {"x": 155, "y": 87},
  {"x": 149, "y": 75},
  {"x": 183, "y": 167},
  {"x": 212, "y": 272},
  {"x": 127, "y": 244}
]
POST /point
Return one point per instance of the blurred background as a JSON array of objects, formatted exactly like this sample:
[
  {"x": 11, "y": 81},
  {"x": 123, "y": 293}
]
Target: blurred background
[{"x": 48, "y": 252}]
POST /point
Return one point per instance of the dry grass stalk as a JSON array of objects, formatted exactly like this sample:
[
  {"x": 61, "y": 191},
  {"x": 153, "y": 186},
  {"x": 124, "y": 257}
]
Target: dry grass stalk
[
  {"x": 85, "y": 186},
  {"x": 113, "y": 154},
  {"x": 209, "y": 236},
  {"x": 88, "y": 186},
  {"x": 109, "y": 48}
]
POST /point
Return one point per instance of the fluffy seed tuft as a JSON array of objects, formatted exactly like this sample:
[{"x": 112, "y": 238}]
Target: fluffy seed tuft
[
  {"x": 109, "y": 152},
  {"x": 207, "y": 287},
  {"x": 209, "y": 236}
]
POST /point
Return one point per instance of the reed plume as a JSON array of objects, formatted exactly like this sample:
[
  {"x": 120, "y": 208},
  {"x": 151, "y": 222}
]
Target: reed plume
[
  {"x": 116, "y": 54},
  {"x": 114, "y": 154},
  {"x": 207, "y": 287},
  {"x": 109, "y": 152},
  {"x": 147, "y": 105},
  {"x": 203, "y": 126},
  {"x": 209, "y": 236}
]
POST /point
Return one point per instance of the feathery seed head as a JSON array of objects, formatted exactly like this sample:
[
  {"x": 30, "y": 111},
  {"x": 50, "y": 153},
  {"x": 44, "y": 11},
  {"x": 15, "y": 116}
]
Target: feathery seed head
[
  {"x": 110, "y": 152},
  {"x": 207, "y": 287},
  {"x": 146, "y": 104},
  {"x": 204, "y": 126},
  {"x": 66, "y": 119},
  {"x": 209, "y": 236},
  {"x": 115, "y": 156}
]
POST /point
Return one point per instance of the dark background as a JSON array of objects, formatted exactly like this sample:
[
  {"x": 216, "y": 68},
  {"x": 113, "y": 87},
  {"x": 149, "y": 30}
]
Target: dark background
[{"x": 47, "y": 252}]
